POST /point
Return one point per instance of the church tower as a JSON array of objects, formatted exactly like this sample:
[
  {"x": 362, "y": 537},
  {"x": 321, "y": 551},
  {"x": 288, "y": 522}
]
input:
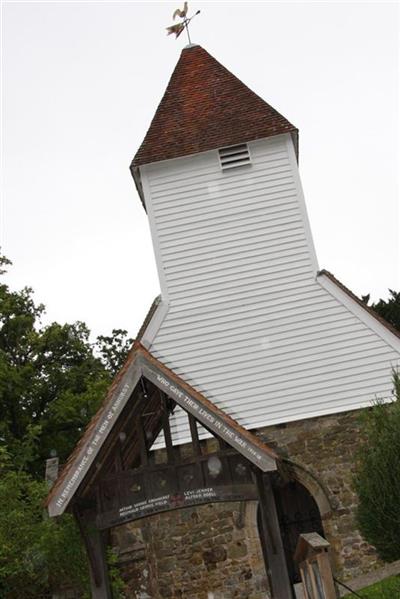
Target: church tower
[
  {"x": 233, "y": 426},
  {"x": 245, "y": 316}
]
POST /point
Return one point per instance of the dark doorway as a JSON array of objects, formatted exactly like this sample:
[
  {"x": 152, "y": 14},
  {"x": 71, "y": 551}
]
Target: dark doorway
[{"x": 297, "y": 513}]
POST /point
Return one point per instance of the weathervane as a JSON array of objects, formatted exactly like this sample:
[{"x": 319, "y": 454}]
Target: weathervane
[{"x": 179, "y": 27}]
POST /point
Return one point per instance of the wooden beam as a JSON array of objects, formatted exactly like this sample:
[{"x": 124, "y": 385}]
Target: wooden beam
[
  {"x": 272, "y": 540},
  {"x": 148, "y": 506},
  {"x": 325, "y": 569},
  {"x": 144, "y": 454},
  {"x": 195, "y": 435},
  {"x": 132, "y": 446},
  {"x": 95, "y": 543},
  {"x": 167, "y": 428},
  {"x": 118, "y": 458}
]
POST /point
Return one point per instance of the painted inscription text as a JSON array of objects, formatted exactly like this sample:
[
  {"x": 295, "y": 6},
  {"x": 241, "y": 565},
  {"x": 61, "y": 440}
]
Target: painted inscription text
[
  {"x": 101, "y": 432},
  {"x": 207, "y": 417}
]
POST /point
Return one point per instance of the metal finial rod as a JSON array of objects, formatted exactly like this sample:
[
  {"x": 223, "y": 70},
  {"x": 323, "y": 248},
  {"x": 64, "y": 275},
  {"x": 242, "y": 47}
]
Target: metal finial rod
[{"x": 186, "y": 25}]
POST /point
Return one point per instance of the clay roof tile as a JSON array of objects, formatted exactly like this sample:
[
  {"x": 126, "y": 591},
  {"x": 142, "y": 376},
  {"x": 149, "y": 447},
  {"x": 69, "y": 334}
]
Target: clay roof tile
[{"x": 206, "y": 107}]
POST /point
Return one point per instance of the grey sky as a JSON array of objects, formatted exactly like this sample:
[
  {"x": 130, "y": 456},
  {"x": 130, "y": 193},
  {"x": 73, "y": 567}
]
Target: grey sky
[{"x": 81, "y": 82}]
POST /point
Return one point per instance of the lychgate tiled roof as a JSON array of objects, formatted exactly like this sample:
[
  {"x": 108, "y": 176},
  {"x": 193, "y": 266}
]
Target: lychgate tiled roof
[
  {"x": 66, "y": 486},
  {"x": 206, "y": 107}
]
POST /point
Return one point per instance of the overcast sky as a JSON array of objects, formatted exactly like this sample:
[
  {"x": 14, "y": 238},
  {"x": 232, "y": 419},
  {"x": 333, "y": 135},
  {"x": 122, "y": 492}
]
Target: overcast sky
[{"x": 81, "y": 82}]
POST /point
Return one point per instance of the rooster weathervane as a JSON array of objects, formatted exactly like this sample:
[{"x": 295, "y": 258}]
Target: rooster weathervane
[{"x": 184, "y": 24}]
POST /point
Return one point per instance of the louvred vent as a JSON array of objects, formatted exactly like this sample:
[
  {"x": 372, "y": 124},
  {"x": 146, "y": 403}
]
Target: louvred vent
[{"x": 234, "y": 156}]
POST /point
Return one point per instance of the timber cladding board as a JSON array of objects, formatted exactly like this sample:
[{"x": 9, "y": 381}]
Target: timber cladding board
[
  {"x": 216, "y": 234},
  {"x": 142, "y": 363},
  {"x": 248, "y": 322}
]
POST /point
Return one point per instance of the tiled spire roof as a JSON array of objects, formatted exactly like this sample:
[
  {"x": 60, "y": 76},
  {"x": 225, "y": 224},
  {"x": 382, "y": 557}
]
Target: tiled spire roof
[{"x": 206, "y": 107}]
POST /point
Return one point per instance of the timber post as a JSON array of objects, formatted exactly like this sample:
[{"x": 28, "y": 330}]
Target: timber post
[
  {"x": 312, "y": 556},
  {"x": 96, "y": 547},
  {"x": 275, "y": 556}
]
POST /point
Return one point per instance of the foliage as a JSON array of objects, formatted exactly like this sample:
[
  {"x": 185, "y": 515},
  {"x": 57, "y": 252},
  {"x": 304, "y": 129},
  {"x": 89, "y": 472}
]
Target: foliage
[
  {"x": 389, "y": 588},
  {"x": 377, "y": 480},
  {"x": 52, "y": 380},
  {"x": 113, "y": 349},
  {"x": 117, "y": 584},
  {"x": 388, "y": 309},
  {"x": 36, "y": 553},
  {"x": 378, "y": 477}
]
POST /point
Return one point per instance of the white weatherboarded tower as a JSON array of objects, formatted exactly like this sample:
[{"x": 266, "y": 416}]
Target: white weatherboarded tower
[
  {"x": 245, "y": 316},
  {"x": 249, "y": 343}
]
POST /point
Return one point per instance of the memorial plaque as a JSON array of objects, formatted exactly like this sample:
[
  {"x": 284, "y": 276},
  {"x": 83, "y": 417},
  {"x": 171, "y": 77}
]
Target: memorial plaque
[{"x": 169, "y": 501}]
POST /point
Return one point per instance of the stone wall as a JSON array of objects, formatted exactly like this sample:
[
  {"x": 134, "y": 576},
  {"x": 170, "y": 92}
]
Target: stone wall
[
  {"x": 322, "y": 453},
  {"x": 214, "y": 552},
  {"x": 199, "y": 553}
]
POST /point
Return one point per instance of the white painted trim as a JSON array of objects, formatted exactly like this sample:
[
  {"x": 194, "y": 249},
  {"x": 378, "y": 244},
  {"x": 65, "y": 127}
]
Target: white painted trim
[
  {"x": 215, "y": 150},
  {"x": 154, "y": 325},
  {"x": 302, "y": 203},
  {"x": 358, "y": 311},
  {"x": 154, "y": 235}
]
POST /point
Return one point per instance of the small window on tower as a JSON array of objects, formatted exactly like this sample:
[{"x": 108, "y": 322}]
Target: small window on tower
[{"x": 234, "y": 156}]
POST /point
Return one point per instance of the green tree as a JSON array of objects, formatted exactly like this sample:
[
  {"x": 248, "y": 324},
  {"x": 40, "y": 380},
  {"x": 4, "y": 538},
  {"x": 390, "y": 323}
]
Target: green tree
[
  {"x": 377, "y": 480},
  {"x": 52, "y": 380},
  {"x": 113, "y": 349},
  {"x": 389, "y": 309},
  {"x": 36, "y": 553}
]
